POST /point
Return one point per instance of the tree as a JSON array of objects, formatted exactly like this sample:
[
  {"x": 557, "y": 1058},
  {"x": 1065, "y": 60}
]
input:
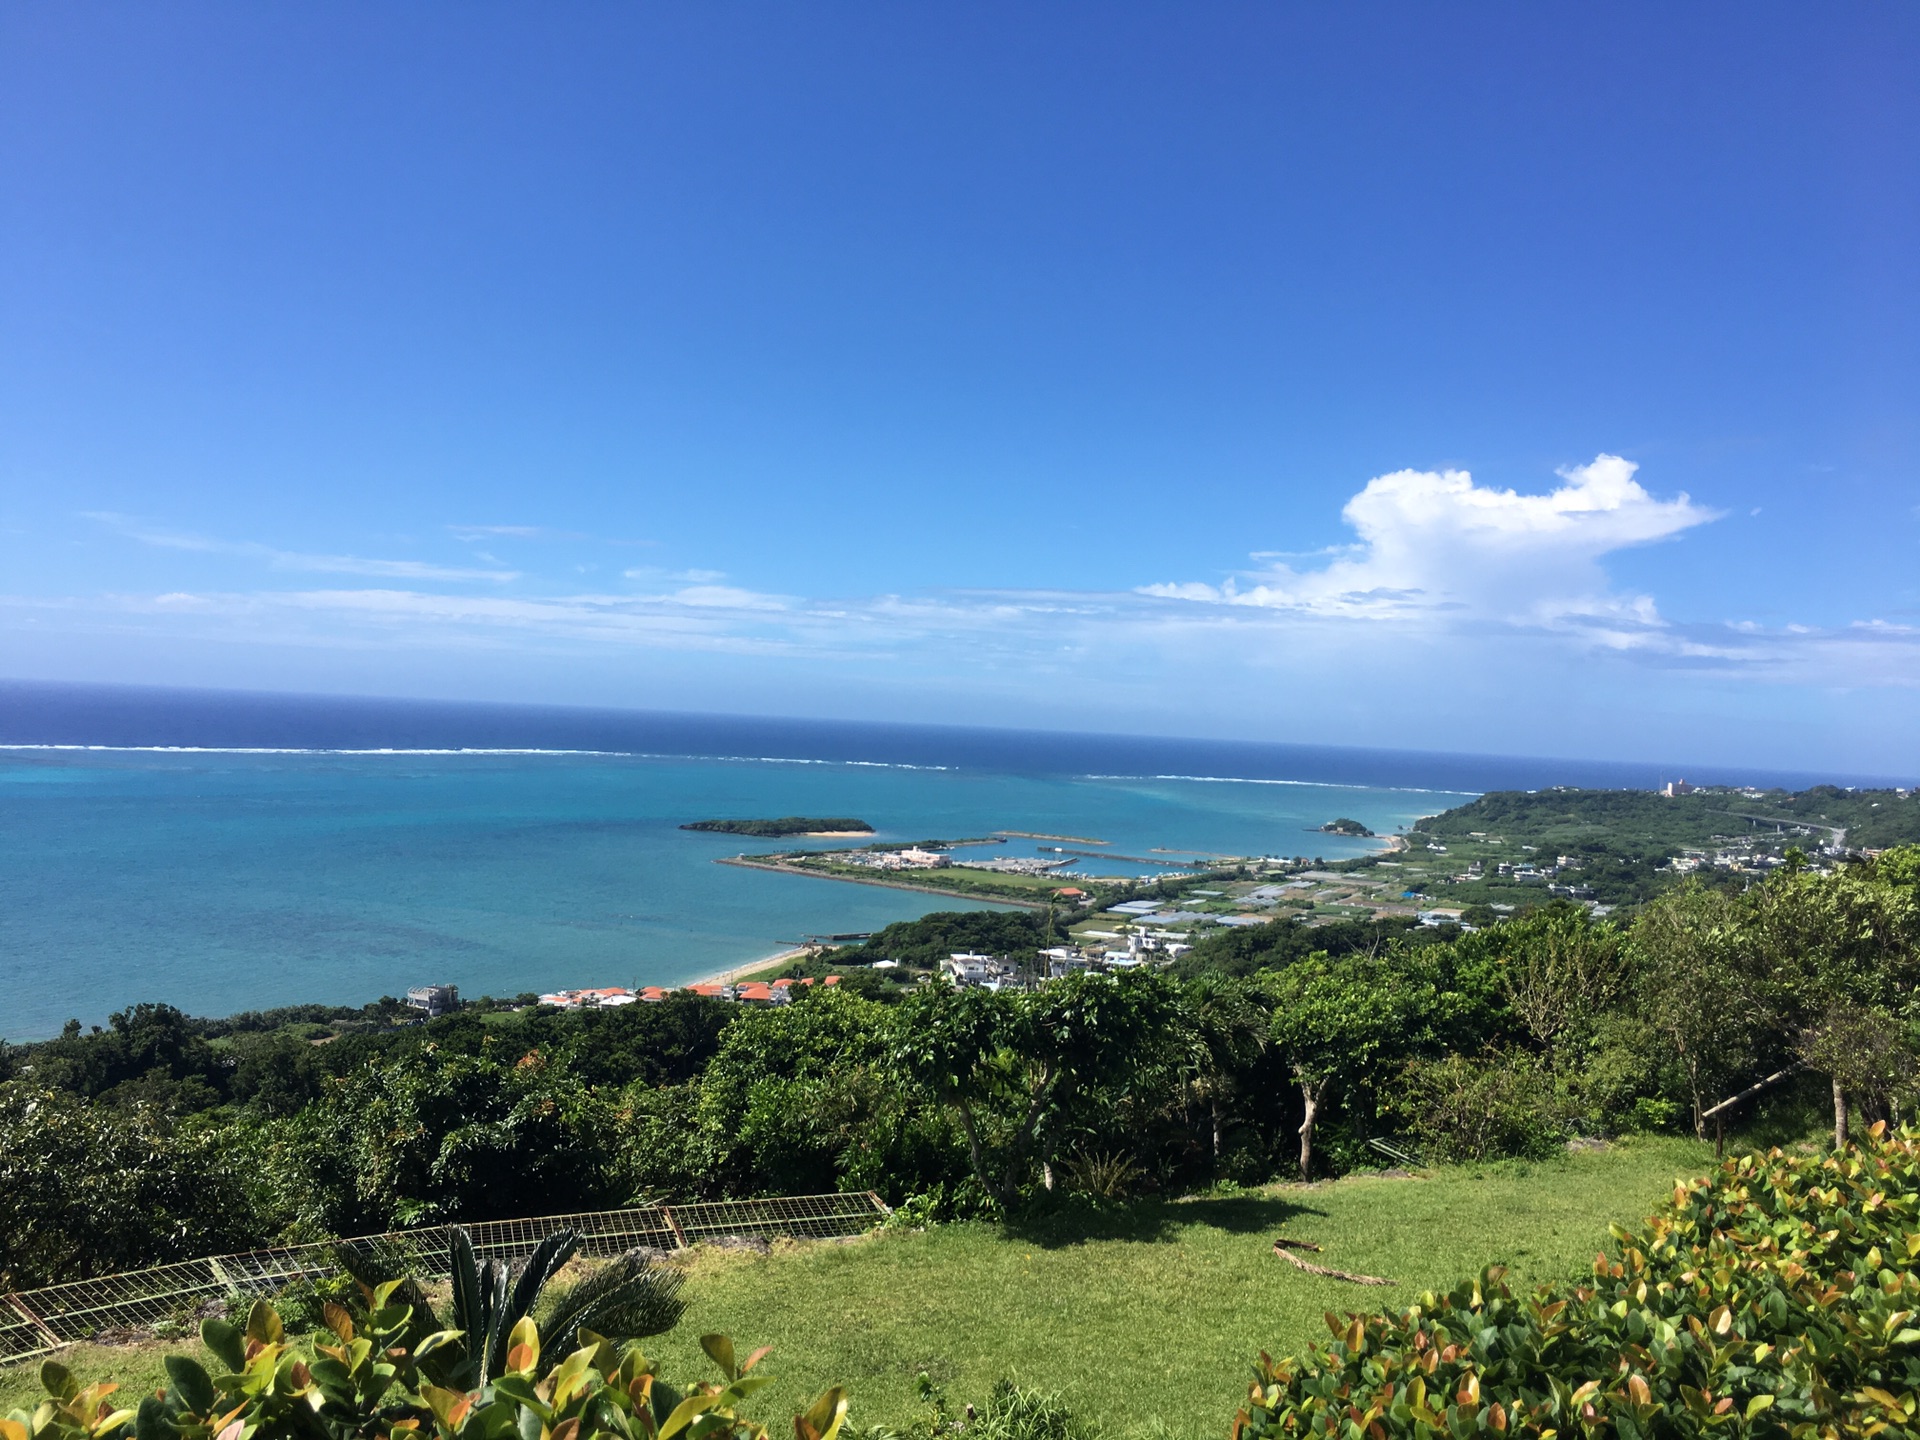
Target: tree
[
  {"x": 276, "y": 1074},
  {"x": 1226, "y": 1033},
  {"x": 1845, "y": 953},
  {"x": 423, "y": 1135},
  {"x": 1561, "y": 972},
  {"x": 790, "y": 1089},
  {"x": 1006, "y": 1064},
  {"x": 89, "y": 1189},
  {"x": 1347, "y": 1022},
  {"x": 147, "y": 1053},
  {"x": 1701, "y": 990}
]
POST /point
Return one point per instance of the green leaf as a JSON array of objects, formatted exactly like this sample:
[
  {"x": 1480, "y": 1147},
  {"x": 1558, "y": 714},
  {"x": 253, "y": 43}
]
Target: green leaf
[
  {"x": 225, "y": 1340},
  {"x": 57, "y": 1380},
  {"x": 440, "y": 1339},
  {"x": 720, "y": 1349},
  {"x": 263, "y": 1323},
  {"x": 150, "y": 1421},
  {"x": 823, "y": 1418},
  {"x": 191, "y": 1383},
  {"x": 684, "y": 1412}
]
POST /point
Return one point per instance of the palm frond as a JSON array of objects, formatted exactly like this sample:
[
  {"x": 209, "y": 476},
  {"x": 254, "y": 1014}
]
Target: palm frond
[
  {"x": 510, "y": 1306},
  {"x": 632, "y": 1296}
]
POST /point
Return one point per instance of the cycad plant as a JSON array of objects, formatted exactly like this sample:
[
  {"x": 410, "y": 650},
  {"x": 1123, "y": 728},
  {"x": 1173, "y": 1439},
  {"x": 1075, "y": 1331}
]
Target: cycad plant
[{"x": 632, "y": 1296}]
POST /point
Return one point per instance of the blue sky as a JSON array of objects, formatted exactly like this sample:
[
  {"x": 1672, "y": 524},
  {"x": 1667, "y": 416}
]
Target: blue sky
[{"x": 1490, "y": 378}]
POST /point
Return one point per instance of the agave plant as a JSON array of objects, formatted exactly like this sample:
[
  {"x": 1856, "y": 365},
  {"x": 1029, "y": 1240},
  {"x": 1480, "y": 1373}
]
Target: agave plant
[{"x": 632, "y": 1296}]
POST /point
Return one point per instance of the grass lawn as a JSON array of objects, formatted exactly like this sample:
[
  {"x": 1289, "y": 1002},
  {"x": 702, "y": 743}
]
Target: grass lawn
[
  {"x": 1147, "y": 1322},
  {"x": 1158, "y": 1318}
]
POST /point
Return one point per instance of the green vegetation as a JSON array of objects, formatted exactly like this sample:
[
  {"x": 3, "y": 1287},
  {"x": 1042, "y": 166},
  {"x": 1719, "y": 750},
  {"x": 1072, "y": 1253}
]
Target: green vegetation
[
  {"x": 1619, "y": 845},
  {"x": 1711, "y": 1007},
  {"x": 382, "y": 1379},
  {"x": 1773, "y": 1298},
  {"x": 1061, "y": 1125},
  {"x": 1872, "y": 819},
  {"x": 631, "y": 1297},
  {"x": 1344, "y": 826},
  {"x": 922, "y": 944},
  {"x": 1092, "y": 1301},
  {"x": 948, "y": 880},
  {"x": 786, "y": 825},
  {"x": 1151, "y": 1314}
]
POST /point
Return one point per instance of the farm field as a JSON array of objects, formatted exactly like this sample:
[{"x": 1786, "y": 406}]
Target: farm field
[{"x": 1146, "y": 1320}]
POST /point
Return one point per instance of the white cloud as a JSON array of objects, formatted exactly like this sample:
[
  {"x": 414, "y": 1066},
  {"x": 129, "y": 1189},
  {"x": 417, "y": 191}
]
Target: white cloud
[
  {"x": 1435, "y": 545},
  {"x": 292, "y": 559},
  {"x": 517, "y": 532},
  {"x": 1502, "y": 594}
]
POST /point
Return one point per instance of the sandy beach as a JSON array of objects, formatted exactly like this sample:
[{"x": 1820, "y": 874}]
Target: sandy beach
[{"x": 739, "y": 972}]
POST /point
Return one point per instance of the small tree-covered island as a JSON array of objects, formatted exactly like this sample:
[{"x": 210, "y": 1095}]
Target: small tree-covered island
[
  {"x": 1344, "y": 826},
  {"x": 1066, "y": 1110},
  {"x": 785, "y": 826}
]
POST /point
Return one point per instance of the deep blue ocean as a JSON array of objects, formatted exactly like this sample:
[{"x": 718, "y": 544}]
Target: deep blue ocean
[{"x": 226, "y": 852}]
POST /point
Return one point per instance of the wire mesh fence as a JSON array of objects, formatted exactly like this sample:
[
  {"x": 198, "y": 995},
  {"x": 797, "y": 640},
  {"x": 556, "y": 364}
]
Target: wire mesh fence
[{"x": 33, "y": 1322}]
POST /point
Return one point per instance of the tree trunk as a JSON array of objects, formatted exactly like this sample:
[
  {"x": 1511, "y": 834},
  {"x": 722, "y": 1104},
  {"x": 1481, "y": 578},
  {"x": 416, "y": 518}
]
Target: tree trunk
[
  {"x": 1216, "y": 1129},
  {"x": 1310, "y": 1097},
  {"x": 978, "y": 1157},
  {"x": 1839, "y": 1116}
]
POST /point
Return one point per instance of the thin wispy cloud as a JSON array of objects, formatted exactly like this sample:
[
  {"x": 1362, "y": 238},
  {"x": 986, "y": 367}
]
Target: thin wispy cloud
[
  {"x": 534, "y": 532},
  {"x": 294, "y": 560},
  {"x": 512, "y": 532},
  {"x": 1470, "y": 584}
]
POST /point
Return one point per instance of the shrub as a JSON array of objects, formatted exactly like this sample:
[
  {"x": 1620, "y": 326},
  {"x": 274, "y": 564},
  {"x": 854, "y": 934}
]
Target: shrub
[
  {"x": 370, "y": 1385},
  {"x": 90, "y": 1189},
  {"x": 1476, "y": 1109},
  {"x": 1771, "y": 1299}
]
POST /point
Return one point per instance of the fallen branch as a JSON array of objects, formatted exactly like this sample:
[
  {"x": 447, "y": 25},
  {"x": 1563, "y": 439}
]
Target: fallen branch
[
  {"x": 1284, "y": 1248},
  {"x": 1754, "y": 1089}
]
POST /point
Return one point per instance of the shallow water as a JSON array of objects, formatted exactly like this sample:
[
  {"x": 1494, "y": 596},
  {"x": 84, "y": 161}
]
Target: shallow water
[{"x": 221, "y": 881}]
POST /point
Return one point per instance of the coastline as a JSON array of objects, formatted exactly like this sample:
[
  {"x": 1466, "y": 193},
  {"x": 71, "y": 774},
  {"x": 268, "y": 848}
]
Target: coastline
[
  {"x": 886, "y": 884},
  {"x": 741, "y": 972}
]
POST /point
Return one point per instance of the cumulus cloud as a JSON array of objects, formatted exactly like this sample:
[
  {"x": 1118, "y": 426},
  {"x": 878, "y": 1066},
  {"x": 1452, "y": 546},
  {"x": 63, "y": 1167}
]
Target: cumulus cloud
[{"x": 1433, "y": 544}]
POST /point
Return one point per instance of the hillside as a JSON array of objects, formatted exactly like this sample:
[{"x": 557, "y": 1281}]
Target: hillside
[
  {"x": 1617, "y": 847},
  {"x": 1181, "y": 1295}
]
